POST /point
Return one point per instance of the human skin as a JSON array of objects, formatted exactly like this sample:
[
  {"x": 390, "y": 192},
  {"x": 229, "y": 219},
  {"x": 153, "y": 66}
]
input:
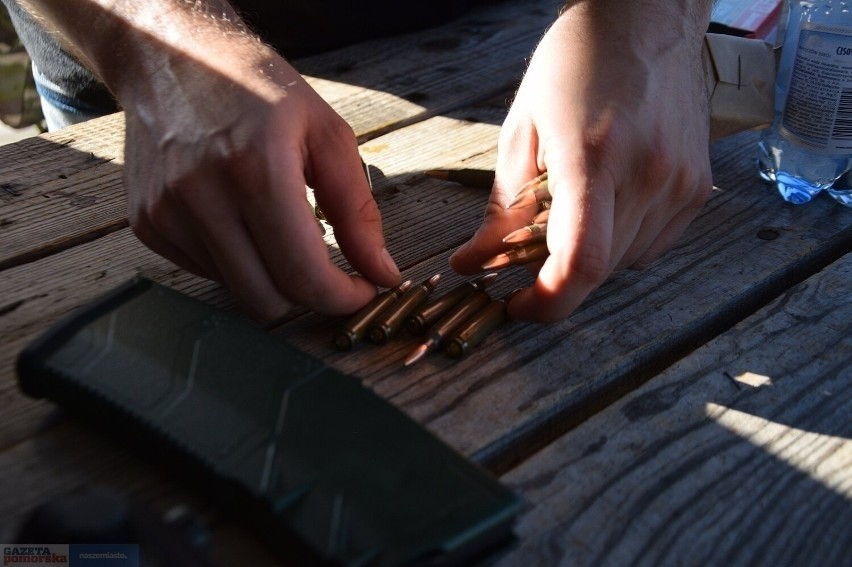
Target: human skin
[
  {"x": 222, "y": 136},
  {"x": 614, "y": 107}
]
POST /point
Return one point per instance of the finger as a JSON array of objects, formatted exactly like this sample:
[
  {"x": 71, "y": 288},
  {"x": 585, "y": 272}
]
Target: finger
[
  {"x": 665, "y": 212},
  {"x": 155, "y": 219},
  {"x": 343, "y": 193},
  {"x": 581, "y": 218},
  {"x": 672, "y": 232},
  {"x": 516, "y": 164},
  {"x": 173, "y": 242},
  {"x": 285, "y": 233},
  {"x": 194, "y": 219},
  {"x": 637, "y": 220},
  {"x": 487, "y": 242},
  {"x": 213, "y": 217}
]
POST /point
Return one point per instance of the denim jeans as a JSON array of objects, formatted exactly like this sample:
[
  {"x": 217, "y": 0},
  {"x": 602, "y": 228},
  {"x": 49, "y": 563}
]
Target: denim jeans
[{"x": 58, "y": 107}]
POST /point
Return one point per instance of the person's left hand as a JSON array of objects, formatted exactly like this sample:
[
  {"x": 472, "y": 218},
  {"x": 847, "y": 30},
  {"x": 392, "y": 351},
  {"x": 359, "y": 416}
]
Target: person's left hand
[{"x": 619, "y": 120}]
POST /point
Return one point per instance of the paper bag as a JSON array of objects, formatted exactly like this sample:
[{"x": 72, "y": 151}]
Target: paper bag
[{"x": 741, "y": 80}]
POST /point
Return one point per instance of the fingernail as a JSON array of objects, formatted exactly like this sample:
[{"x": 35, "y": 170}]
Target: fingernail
[{"x": 390, "y": 265}]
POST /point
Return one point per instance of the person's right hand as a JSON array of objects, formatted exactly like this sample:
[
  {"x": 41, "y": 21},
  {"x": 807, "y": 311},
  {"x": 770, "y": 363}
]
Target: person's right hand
[{"x": 220, "y": 144}]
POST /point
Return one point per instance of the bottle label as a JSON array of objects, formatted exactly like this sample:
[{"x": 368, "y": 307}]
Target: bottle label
[{"x": 818, "y": 112}]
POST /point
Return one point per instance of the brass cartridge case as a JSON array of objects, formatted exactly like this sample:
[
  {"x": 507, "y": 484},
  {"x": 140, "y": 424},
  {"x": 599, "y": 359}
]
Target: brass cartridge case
[
  {"x": 520, "y": 254},
  {"x": 477, "y": 327},
  {"x": 389, "y": 321},
  {"x": 451, "y": 320},
  {"x": 356, "y": 327},
  {"x": 423, "y": 317}
]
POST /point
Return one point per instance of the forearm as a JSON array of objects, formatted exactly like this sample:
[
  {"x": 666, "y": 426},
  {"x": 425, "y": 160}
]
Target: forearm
[
  {"x": 131, "y": 43},
  {"x": 648, "y": 22}
]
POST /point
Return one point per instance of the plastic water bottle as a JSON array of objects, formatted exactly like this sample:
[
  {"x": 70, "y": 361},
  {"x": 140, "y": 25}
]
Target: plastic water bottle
[{"x": 808, "y": 148}]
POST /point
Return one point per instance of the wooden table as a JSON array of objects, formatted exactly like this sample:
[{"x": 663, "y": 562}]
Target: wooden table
[{"x": 697, "y": 412}]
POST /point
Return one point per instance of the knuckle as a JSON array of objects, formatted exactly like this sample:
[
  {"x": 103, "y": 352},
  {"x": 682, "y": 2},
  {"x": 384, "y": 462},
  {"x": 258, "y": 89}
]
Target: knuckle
[
  {"x": 591, "y": 265},
  {"x": 691, "y": 187},
  {"x": 145, "y": 216},
  {"x": 338, "y": 128},
  {"x": 266, "y": 309},
  {"x": 591, "y": 269},
  {"x": 369, "y": 212},
  {"x": 305, "y": 290},
  {"x": 660, "y": 166},
  {"x": 332, "y": 131},
  {"x": 142, "y": 229}
]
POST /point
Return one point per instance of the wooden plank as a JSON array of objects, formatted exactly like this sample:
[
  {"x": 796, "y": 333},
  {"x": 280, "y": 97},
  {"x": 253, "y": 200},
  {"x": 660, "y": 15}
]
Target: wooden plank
[
  {"x": 741, "y": 440},
  {"x": 656, "y": 312},
  {"x": 740, "y": 454},
  {"x": 424, "y": 74},
  {"x": 61, "y": 188},
  {"x": 54, "y": 180},
  {"x": 424, "y": 218},
  {"x": 522, "y": 389},
  {"x": 530, "y": 382}
]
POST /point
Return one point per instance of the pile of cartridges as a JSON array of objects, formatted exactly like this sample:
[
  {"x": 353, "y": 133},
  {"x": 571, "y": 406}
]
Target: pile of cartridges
[
  {"x": 456, "y": 322},
  {"x": 460, "y": 319},
  {"x": 529, "y": 241}
]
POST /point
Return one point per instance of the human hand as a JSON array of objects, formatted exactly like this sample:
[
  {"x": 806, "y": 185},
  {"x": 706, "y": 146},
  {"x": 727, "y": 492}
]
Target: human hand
[
  {"x": 614, "y": 107},
  {"x": 218, "y": 153}
]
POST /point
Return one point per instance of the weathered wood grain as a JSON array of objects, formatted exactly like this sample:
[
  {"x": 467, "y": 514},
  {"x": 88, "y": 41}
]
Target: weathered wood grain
[
  {"x": 424, "y": 218},
  {"x": 429, "y": 73},
  {"x": 59, "y": 189},
  {"x": 523, "y": 389},
  {"x": 739, "y": 454},
  {"x": 531, "y": 382}
]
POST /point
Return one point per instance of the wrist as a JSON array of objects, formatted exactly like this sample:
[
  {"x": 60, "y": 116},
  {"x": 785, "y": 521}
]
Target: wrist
[
  {"x": 158, "y": 43},
  {"x": 151, "y": 42},
  {"x": 647, "y": 25}
]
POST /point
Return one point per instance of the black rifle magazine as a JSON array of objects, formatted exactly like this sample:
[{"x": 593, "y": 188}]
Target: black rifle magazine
[{"x": 322, "y": 469}]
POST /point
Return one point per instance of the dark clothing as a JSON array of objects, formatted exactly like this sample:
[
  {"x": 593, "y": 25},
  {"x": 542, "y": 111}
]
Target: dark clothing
[
  {"x": 58, "y": 65},
  {"x": 295, "y": 29},
  {"x": 302, "y": 28}
]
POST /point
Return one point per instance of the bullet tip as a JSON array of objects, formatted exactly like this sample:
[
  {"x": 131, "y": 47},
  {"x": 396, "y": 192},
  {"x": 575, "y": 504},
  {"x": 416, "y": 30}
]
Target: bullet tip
[
  {"x": 526, "y": 195},
  {"x": 524, "y": 199},
  {"x": 521, "y": 235},
  {"x": 417, "y": 354},
  {"x": 497, "y": 262}
]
